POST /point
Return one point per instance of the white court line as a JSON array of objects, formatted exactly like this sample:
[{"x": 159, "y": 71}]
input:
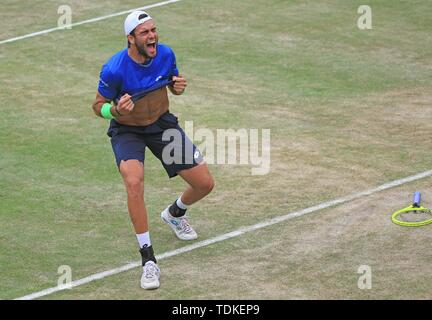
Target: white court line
[
  {"x": 34, "y": 34},
  {"x": 233, "y": 234}
]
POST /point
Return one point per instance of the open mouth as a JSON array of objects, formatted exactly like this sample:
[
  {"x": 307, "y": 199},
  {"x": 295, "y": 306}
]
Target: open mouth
[{"x": 151, "y": 47}]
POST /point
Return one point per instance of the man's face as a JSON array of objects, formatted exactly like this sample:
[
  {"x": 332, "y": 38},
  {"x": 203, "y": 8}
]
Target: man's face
[{"x": 145, "y": 38}]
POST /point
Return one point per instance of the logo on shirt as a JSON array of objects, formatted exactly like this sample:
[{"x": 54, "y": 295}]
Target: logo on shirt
[
  {"x": 158, "y": 78},
  {"x": 104, "y": 83}
]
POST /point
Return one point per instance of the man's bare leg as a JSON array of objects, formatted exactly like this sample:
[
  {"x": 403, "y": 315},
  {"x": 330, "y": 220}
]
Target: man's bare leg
[
  {"x": 201, "y": 184},
  {"x": 132, "y": 172}
]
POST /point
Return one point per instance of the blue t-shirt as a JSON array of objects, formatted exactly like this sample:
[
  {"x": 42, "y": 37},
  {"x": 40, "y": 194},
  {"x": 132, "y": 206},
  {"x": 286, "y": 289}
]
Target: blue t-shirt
[{"x": 122, "y": 75}]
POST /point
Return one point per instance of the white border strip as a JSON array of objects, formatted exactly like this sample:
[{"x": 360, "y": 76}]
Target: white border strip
[
  {"x": 232, "y": 234},
  {"x": 34, "y": 34}
]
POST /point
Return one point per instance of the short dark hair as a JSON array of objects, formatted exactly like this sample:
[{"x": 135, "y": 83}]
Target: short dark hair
[{"x": 132, "y": 34}]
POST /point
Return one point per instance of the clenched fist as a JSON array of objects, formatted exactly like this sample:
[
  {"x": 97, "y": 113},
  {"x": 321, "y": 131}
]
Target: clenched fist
[
  {"x": 125, "y": 105},
  {"x": 179, "y": 85}
]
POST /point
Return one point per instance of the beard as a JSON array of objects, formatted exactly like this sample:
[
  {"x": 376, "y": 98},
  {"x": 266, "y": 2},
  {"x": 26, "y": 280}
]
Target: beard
[{"x": 141, "y": 48}]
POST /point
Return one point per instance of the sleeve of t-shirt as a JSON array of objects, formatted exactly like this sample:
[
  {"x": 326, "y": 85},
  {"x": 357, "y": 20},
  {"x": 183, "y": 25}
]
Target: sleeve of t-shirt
[
  {"x": 108, "y": 83},
  {"x": 174, "y": 70}
]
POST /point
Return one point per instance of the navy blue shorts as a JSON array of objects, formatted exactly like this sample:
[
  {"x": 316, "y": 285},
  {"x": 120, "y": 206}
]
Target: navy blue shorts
[{"x": 165, "y": 138}]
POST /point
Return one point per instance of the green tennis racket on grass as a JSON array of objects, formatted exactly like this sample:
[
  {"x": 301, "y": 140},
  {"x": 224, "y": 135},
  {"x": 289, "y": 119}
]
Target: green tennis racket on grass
[{"x": 413, "y": 216}]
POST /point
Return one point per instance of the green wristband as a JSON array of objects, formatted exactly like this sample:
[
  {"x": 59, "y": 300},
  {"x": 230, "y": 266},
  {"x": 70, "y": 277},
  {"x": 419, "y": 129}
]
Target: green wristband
[{"x": 106, "y": 111}]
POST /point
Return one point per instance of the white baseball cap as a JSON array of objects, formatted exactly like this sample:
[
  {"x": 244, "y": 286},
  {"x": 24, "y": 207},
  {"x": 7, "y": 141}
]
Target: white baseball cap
[{"x": 134, "y": 19}]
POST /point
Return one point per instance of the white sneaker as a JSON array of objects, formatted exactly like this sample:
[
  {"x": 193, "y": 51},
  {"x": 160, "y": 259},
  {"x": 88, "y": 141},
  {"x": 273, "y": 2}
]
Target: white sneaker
[
  {"x": 181, "y": 226},
  {"x": 150, "y": 276}
]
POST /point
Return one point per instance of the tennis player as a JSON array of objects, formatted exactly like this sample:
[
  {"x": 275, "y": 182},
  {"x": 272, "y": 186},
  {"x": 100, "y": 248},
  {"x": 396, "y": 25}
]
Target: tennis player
[{"x": 135, "y": 126}]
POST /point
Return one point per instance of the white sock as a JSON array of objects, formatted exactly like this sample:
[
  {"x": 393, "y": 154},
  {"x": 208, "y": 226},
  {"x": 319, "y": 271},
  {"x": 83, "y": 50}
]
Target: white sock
[
  {"x": 180, "y": 204},
  {"x": 144, "y": 239}
]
